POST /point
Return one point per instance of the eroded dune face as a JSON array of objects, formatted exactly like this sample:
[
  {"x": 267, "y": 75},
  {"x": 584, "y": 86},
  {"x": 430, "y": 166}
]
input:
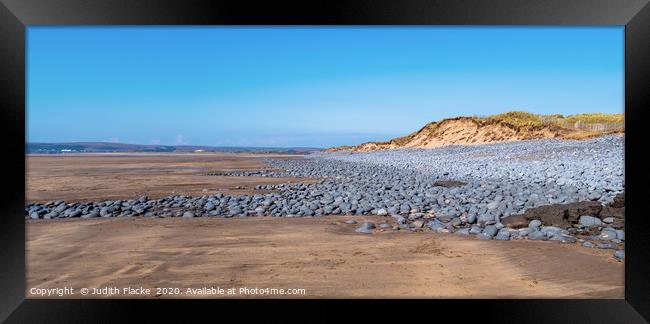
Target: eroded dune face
[{"x": 470, "y": 131}]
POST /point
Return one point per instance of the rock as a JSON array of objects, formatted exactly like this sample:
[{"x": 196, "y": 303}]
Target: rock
[
  {"x": 607, "y": 235},
  {"x": 608, "y": 220},
  {"x": 588, "y": 244},
  {"x": 60, "y": 208},
  {"x": 607, "y": 245},
  {"x": 188, "y": 214},
  {"x": 382, "y": 212},
  {"x": 462, "y": 231},
  {"x": 486, "y": 218},
  {"x": 563, "y": 238},
  {"x": 92, "y": 214},
  {"x": 490, "y": 230},
  {"x": 550, "y": 231},
  {"x": 619, "y": 201},
  {"x": 534, "y": 224},
  {"x": 365, "y": 228},
  {"x": 33, "y": 215},
  {"x": 537, "y": 235},
  {"x": 492, "y": 205},
  {"x": 418, "y": 224},
  {"x": 515, "y": 221},
  {"x": 503, "y": 235},
  {"x": 384, "y": 225},
  {"x": 521, "y": 233},
  {"x": 476, "y": 229},
  {"x": 589, "y": 221},
  {"x": 350, "y": 221},
  {"x": 235, "y": 210},
  {"x": 400, "y": 219},
  {"x": 559, "y": 215},
  {"x": 620, "y": 234},
  {"x": 619, "y": 254}
]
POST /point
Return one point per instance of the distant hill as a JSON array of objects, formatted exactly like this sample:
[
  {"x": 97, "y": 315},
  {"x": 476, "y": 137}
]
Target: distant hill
[
  {"x": 98, "y": 147},
  {"x": 510, "y": 126}
]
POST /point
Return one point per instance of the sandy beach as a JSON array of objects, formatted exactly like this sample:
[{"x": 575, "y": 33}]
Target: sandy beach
[{"x": 326, "y": 260}]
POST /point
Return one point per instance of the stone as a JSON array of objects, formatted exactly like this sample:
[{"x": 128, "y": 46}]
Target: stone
[
  {"x": 92, "y": 214},
  {"x": 418, "y": 224},
  {"x": 589, "y": 221},
  {"x": 365, "y": 228},
  {"x": 607, "y": 235},
  {"x": 620, "y": 234},
  {"x": 475, "y": 229},
  {"x": 382, "y": 212},
  {"x": 188, "y": 214},
  {"x": 550, "y": 231},
  {"x": 607, "y": 245},
  {"x": 588, "y": 244},
  {"x": 619, "y": 254},
  {"x": 534, "y": 224},
  {"x": 350, "y": 221},
  {"x": 537, "y": 235},
  {"x": 503, "y": 235},
  {"x": 563, "y": 238},
  {"x": 490, "y": 230},
  {"x": 486, "y": 218}
]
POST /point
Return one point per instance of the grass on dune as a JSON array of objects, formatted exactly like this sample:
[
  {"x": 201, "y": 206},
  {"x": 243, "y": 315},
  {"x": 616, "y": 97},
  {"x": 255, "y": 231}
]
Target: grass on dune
[
  {"x": 595, "y": 118},
  {"x": 518, "y": 118},
  {"x": 522, "y": 118}
]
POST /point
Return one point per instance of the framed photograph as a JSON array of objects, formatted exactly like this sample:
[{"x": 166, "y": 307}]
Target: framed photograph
[{"x": 389, "y": 159}]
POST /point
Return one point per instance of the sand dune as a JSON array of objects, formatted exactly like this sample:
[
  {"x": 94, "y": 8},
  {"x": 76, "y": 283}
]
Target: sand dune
[{"x": 512, "y": 126}]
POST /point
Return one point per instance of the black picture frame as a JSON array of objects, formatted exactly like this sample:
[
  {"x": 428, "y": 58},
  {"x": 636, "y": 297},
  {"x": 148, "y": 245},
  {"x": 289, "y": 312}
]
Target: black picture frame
[{"x": 16, "y": 15}]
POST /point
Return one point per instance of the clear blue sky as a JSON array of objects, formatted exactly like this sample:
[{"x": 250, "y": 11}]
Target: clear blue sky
[{"x": 319, "y": 87}]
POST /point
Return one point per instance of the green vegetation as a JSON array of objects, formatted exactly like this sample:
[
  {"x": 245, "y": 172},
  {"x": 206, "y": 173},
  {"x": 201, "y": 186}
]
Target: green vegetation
[
  {"x": 596, "y": 118},
  {"x": 522, "y": 118},
  {"x": 518, "y": 119}
]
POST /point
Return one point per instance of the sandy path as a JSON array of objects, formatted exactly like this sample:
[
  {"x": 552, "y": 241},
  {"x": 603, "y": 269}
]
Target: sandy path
[{"x": 311, "y": 253}]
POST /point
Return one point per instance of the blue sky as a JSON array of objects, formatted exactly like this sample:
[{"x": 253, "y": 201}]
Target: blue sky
[{"x": 313, "y": 86}]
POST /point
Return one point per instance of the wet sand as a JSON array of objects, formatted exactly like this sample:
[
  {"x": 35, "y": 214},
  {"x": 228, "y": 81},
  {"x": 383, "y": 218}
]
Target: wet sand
[
  {"x": 327, "y": 260},
  {"x": 87, "y": 177}
]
